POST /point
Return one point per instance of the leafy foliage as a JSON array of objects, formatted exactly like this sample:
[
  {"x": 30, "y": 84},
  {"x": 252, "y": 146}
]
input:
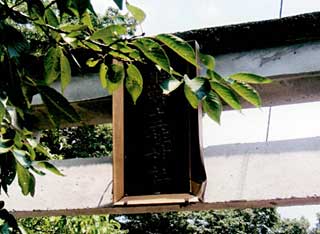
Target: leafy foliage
[
  {"x": 255, "y": 221},
  {"x": 71, "y": 225},
  {"x": 79, "y": 142}
]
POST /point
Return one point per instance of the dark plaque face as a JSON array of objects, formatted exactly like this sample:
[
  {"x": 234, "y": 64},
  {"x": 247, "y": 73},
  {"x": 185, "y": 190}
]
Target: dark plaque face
[{"x": 161, "y": 145}]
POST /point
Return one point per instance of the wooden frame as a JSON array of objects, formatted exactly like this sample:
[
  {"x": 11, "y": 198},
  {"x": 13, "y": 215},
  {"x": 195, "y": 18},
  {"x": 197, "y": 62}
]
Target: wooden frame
[
  {"x": 119, "y": 197},
  {"x": 196, "y": 191}
]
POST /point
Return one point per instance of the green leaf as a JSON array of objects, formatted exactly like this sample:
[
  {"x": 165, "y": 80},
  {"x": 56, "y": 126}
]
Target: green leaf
[
  {"x": 250, "y": 78},
  {"x": 86, "y": 20},
  {"x": 5, "y": 145},
  {"x": 73, "y": 27},
  {"x": 207, "y": 60},
  {"x": 91, "y": 46},
  {"x": 51, "y": 18},
  {"x": 226, "y": 94},
  {"x": 137, "y": 13},
  {"x": 8, "y": 170},
  {"x": 22, "y": 157},
  {"x": 212, "y": 106},
  {"x": 179, "y": 46},
  {"x": 103, "y": 75},
  {"x": 57, "y": 105},
  {"x": 198, "y": 86},
  {"x": 37, "y": 171},
  {"x": 52, "y": 65},
  {"x": 65, "y": 71},
  {"x": 119, "y": 3},
  {"x": 191, "y": 97},
  {"x": 50, "y": 167},
  {"x": 31, "y": 152},
  {"x": 26, "y": 180},
  {"x": 153, "y": 51},
  {"x": 91, "y": 62},
  {"x": 120, "y": 56},
  {"x": 43, "y": 150},
  {"x": 247, "y": 92},
  {"x": 115, "y": 76},
  {"x": 109, "y": 33},
  {"x": 14, "y": 40},
  {"x": 2, "y": 111},
  {"x": 134, "y": 82},
  {"x": 215, "y": 76},
  {"x": 170, "y": 85},
  {"x": 79, "y": 6}
]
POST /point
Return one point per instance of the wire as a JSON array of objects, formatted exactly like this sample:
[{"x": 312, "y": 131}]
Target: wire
[
  {"x": 268, "y": 126},
  {"x": 281, "y": 5}
]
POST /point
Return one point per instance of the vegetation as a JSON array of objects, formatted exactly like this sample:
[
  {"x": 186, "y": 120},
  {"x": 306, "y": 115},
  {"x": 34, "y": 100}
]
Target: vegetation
[
  {"x": 72, "y": 225},
  {"x": 44, "y": 41}
]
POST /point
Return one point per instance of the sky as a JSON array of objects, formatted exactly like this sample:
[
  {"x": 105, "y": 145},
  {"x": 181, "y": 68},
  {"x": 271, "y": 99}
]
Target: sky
[{"x": 182, "y": 15}]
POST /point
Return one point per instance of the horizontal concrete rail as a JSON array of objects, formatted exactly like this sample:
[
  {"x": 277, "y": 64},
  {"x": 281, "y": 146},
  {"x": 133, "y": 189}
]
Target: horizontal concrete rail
[
  {"x": 239, "y": 175},
  {"x": 295, "y": 70}
]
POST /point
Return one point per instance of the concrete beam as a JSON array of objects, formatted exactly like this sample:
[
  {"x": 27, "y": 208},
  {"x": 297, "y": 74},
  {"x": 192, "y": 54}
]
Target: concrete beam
[
  {"x": 294, "y": 69},
  {"x": 239, "y": 175}
]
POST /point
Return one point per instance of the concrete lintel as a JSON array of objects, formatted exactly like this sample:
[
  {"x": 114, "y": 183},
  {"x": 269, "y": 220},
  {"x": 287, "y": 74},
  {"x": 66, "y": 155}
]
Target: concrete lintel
[{"x": 239, "y": 175}]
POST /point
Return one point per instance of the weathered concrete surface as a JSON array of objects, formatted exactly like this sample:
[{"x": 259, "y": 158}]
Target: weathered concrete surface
[
  {"x": 86, "y": 184},
  {"x": 239, "y": 175},
  {"x": 257, "y": 35},
  {"x": 294, "y": 69}
]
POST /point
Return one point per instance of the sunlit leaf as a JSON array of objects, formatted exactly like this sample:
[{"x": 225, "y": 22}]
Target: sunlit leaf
[
  {"x": 109, "y": 33},
  {"x": 191, "y": 96},
  {"x": 226, "y": 94},
  {"x": 65, "y": 71},
  {"x": 50, "y": 167},
  {"x": 92, "y": 46},
  {"x": 153, "y": 51},
  {"x": 179, "y": 46},
  {"x": 91, "y": 62},
  {"x": 214, "y": 76},
  {"x": 86, "y": 20},
  {"x": 72, "y": 27},
  {"x": 247, "y": 92},
  {"x": 39, "y": 172},
  {"x": 137, "y": 13},
  {"x": 170, "y": 85},
  {"x": 198, "y": 86},
  {"x": 5, "y": 145},
  {"x": 207, "y": 60},
  {"x": 120, "y": 56},
  {"x": 22, "y": 157},
  {"x": 103, "y": 75},
  {"x": 26, "y": 180},
  {"x": 212, "y": 106},
  {"x": 250, "y": 78},
  {"x": 134, "y": 82}
]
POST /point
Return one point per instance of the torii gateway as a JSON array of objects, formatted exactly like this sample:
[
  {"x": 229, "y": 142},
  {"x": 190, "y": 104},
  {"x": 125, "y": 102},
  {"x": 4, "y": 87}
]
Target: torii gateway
[{"x": 286, "y": 173}]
